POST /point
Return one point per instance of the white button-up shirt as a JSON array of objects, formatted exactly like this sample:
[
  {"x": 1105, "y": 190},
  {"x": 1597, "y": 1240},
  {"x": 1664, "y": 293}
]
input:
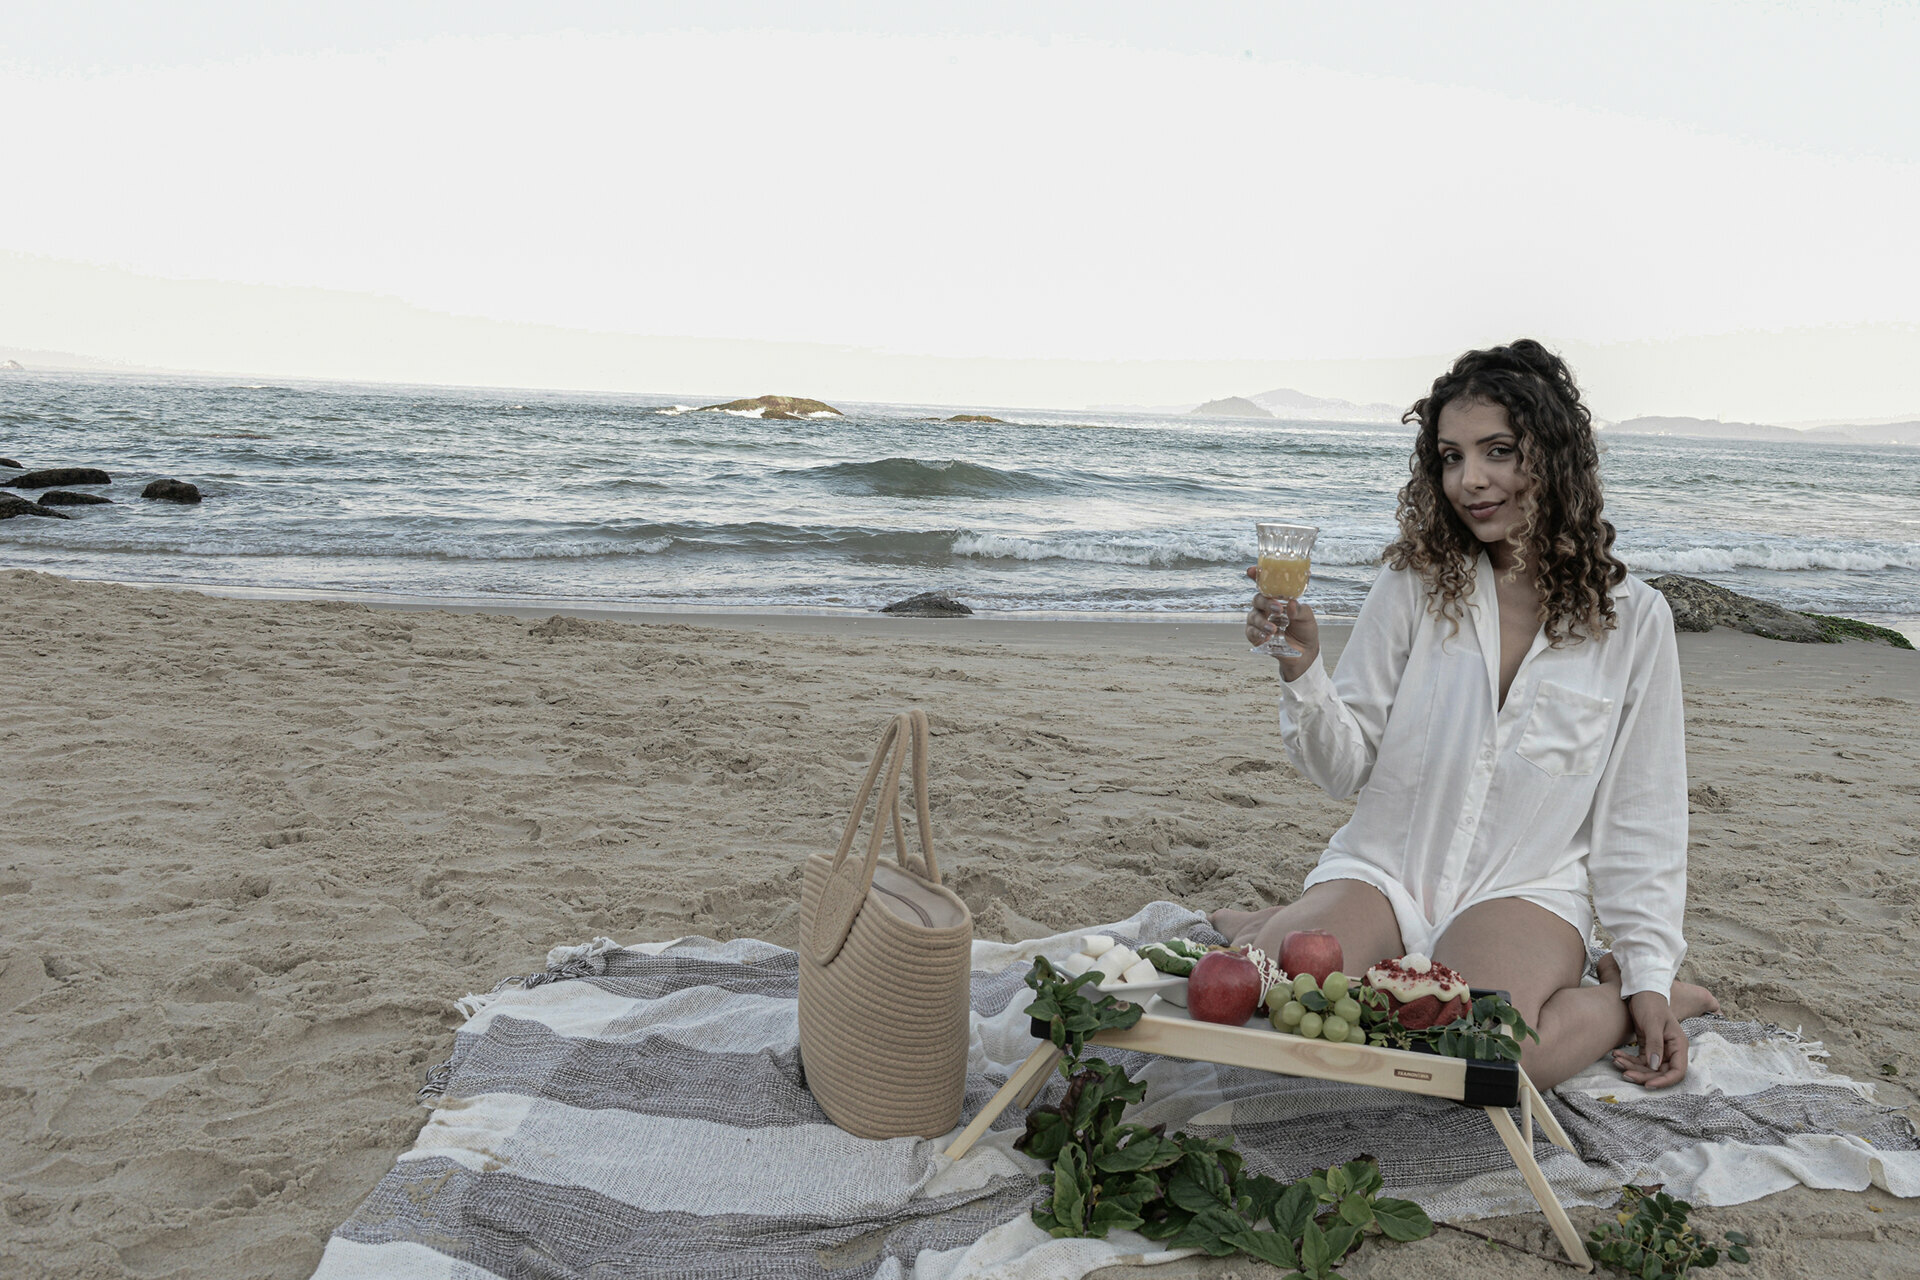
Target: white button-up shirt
[{"x": 1577, "y": 785}]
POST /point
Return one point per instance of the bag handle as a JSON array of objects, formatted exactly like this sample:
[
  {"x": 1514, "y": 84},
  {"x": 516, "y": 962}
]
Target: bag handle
[{"x": 846, "y": 889}]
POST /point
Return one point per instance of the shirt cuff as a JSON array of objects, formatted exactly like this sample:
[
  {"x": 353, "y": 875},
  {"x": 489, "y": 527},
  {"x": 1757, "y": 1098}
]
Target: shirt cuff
[
  {"x": 1312, "y": 685},
  {"x": 1657, "y": 978}
]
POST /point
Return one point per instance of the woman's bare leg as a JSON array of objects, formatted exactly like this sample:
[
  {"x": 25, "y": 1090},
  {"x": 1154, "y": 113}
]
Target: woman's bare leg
[{"x": 1353, "y": 911}]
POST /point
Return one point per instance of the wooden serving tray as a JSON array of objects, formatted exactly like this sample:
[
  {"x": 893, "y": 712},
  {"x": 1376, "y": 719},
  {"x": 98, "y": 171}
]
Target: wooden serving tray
[{"x": 1168, "y": 1030}]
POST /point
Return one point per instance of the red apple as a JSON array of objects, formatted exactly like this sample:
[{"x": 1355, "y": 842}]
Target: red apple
[
  {"x": 1223, "y": 987},
  {"x": 1313, "y": 951}
]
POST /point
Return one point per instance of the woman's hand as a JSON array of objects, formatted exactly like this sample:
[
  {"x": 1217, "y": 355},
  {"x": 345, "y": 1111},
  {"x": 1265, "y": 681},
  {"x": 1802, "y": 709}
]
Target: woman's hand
[
  {"x": 1266, "y": 615},
  {"x": 1662, "y": 1059}
]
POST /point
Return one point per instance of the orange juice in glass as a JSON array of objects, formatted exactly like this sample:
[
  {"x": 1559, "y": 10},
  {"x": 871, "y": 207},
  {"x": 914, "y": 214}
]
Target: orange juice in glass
[{"x": 1286, "y": 559}]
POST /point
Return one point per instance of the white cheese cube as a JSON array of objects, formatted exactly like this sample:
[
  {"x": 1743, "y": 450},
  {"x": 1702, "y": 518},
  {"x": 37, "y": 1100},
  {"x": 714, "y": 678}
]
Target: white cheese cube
[
  {"x": 1141, "y": 971},
  {"x": 1127, "y": 957},
  {"x": 1114, "y": 963},
  {"x": 1096, "y": 944},
  {"x": 1075, "y": 965}
]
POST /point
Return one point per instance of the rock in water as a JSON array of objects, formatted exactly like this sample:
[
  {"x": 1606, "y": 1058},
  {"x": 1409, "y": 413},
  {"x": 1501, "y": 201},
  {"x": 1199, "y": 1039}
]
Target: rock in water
[
  {"x": 11, "y": 506},
  {"x": 9, "y": 462},
  {"x": 58, "y": 476},
  {"x": 976, "y": 417},
  {"x": 928, "y": 604},
  {"x": 778, "y": 408},
  {"x": 67, "y": 498},
  {"x": 1701, "y": 606},
  {"x": 172, "y": 491}
]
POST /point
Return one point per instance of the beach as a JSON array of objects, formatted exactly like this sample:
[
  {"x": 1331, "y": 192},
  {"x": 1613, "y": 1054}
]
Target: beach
[{"x": 251, "y": 851}]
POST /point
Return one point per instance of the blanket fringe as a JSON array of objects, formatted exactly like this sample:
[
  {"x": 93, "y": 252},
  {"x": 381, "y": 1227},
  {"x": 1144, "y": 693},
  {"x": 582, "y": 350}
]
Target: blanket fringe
[{"x": 436, "y": 1086}]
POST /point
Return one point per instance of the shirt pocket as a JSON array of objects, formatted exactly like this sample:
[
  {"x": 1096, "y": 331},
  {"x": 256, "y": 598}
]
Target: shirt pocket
[{"x": 1566, "y": 730}]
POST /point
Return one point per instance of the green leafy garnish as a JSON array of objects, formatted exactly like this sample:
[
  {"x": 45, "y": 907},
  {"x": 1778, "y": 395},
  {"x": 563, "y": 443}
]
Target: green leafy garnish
[{"x": 1491, "y": 1029}]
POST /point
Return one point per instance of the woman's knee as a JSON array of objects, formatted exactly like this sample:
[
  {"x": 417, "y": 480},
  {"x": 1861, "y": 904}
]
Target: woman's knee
[{"x": 1516, "y": 946}]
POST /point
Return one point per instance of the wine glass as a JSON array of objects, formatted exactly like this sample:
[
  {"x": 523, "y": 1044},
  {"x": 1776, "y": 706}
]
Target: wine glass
[{"x": 1286, "y": 557}]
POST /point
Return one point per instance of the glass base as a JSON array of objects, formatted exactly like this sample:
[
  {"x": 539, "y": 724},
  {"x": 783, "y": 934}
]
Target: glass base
[{"x": 1278, "y": 647}]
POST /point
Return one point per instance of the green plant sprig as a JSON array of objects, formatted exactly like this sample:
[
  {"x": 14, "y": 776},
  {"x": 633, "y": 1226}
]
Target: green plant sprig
[
  {"x": 1651, "y": 1239},
  {"x": 1182, "y": 1190},
  {"x": 1491, "y": 1029}
]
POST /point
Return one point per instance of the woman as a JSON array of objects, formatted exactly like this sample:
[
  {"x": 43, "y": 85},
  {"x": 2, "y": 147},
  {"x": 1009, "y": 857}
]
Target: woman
[{"x": 1508, "y": 709}]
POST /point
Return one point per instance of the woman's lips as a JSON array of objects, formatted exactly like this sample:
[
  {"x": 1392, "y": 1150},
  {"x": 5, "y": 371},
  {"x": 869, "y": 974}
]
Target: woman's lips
[{"x": 1483, "y": 510}]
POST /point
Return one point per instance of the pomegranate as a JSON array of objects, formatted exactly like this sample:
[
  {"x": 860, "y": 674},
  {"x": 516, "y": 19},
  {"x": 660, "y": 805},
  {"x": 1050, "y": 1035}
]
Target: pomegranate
[
  {"x": 1223, "y": 987},
  {"x": 1420, "y": 992},
  {"x": 1313, "y": 951}
]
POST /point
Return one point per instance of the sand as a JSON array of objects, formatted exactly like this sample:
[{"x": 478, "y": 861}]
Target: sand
[{"x": 251, "y": 850}]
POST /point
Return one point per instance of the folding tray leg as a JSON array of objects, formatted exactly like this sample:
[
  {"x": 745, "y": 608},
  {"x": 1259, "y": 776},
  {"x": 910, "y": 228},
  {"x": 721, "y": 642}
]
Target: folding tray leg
[
  {"x": 1026, "y": 1080},
  {"x": 1548, "y": 1124},
  {"x": 1537, "y": 1183}
]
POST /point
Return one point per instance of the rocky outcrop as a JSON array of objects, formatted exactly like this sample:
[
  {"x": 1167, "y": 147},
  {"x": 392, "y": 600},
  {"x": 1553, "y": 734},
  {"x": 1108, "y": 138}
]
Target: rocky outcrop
[
  {"x": 975, "y": 417},
  {"x": 1701, "y": 606},
  {"x": 11, "y": 506},
  {"x": 67, "y": 498},
  {"x": 55, "y": 477},
  {"x": 1231, "y": 407},
  {"x": 9, "y": 462},
  {"x": 11, "y": 366},
  {"x": 928, "y": 604},
  {"x": 171, "y": 491},
  {"x": 778, "y": 408}
]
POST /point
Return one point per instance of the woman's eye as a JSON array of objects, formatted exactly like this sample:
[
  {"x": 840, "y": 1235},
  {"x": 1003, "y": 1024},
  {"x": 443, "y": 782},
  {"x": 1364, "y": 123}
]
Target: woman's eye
[
  {"x": 1500, "y": 451},
  {"x": 1448, "y": 459}
]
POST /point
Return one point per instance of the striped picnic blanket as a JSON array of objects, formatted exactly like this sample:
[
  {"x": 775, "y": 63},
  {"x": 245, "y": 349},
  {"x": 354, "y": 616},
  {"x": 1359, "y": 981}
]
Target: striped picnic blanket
[{"x": 643, "y": 1112}]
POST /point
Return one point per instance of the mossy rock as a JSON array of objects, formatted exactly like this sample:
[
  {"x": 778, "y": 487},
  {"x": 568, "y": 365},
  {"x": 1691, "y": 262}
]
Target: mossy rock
[{"x": 1854, "y": 629}]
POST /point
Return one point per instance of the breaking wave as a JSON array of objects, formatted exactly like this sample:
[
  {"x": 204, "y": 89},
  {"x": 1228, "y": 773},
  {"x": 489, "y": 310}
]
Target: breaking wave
[{"x": 1778, "y": 559}]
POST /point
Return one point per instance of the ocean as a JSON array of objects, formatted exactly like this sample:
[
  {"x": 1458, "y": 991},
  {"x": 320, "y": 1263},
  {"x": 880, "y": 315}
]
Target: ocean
[{"x": 529, "y": 498}]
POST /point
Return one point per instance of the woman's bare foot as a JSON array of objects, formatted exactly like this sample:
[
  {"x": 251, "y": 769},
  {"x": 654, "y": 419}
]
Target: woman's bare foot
[
  {"x": 1241, "y": 926},
  {"x": 1689, "y": 1001}
]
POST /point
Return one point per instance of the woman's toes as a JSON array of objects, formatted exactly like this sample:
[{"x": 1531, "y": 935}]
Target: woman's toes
[
  {"x": 1607, "y": 968},
  {"x": 1690, "y": 1001},
  {"x": 1236, "y": 924}
]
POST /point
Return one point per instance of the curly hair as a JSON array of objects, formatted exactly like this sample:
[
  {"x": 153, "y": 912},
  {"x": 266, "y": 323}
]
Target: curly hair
[{"x": 1561, "y": 539}]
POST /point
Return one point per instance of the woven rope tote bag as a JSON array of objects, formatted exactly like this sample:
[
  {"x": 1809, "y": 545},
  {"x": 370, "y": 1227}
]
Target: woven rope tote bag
[{"x": 885, "y": 952}]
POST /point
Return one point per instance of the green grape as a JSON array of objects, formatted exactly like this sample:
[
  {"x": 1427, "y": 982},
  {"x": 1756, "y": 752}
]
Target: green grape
[
  {"x": 1335, "y": 986},
  {"x": 1310, "y": 1025},
  {"x": 1303, "y": 983},
  {"x": 1292, "y": 1012},
  {"x": 1358, "y": 1035},
  {"x": 1349, "y": 1008},
  {"x": 1335, "y": 1028}
]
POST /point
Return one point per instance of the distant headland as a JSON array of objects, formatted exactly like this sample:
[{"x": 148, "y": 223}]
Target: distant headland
[{"x": 1231, "y": 407}]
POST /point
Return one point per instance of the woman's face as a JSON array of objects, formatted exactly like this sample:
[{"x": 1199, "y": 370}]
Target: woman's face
[{"x": 1480, "y": 469}]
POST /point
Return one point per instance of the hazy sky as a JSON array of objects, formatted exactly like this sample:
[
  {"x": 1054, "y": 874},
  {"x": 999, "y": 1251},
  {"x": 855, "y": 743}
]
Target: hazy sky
[{"x": 1097, "y": 181}]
